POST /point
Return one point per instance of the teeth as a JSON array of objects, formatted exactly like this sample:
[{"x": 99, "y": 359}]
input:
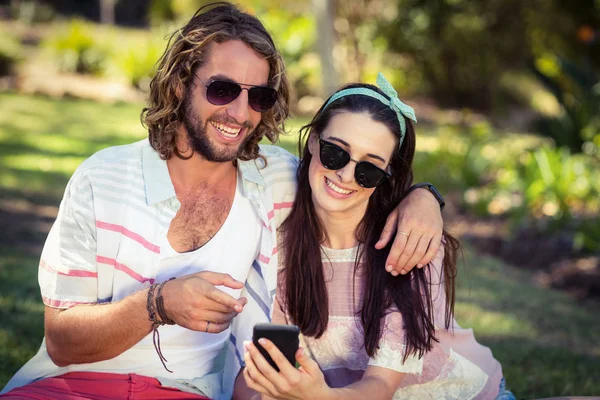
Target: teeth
[
  {"x": 336, "y": 188},
  {"x": 227, "y": 131}
]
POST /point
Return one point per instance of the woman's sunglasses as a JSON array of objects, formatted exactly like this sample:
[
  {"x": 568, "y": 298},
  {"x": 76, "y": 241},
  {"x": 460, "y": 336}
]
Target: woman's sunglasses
[
  {"x": 261, "y": 98},
  {"x": 366, "y": 174}
]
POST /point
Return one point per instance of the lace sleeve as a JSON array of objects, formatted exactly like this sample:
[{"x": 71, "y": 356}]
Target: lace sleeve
[{"x": 392, "y": 348}]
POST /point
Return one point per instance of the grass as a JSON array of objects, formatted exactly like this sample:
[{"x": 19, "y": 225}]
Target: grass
[{"x": 546, "y": 341}]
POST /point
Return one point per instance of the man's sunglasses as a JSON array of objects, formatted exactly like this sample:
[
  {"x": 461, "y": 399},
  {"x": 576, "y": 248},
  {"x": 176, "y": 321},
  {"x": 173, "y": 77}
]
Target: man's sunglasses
[
  {"x": 367, "y": 175},
  {"x": 261, "y": 98}
]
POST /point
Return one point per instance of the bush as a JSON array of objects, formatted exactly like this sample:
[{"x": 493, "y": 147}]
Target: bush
[
  {"x": 554, "y": 191},
  {"x": 577, "y": 90},
  {"x": 137, "y": 62},
  {"x": 76, "y": 50},
  {"x": 461, "y": 158}
]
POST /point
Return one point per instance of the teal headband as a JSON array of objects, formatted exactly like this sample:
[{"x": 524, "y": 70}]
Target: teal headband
[{"x": 402, "y": 110}]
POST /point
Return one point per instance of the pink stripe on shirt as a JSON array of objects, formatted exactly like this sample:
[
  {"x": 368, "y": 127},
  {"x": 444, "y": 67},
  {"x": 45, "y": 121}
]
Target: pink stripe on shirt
[
  {"x": 264, "y": 259},
  {"x": 132, "y": 235},
  {"x": 71, "y": 272},
  {"x": 279, "y": 206},
  {"x": 123, "y": 268},
  {"x": 60, "y": 304}
]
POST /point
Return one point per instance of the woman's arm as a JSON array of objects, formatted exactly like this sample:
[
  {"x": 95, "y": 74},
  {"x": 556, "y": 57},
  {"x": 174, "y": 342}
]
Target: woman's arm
[
  {"x": 377, "y": 383},
  {"x": 308, "y": 382}
]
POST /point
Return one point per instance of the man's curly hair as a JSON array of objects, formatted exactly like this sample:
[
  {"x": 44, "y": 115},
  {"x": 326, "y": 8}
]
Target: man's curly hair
[{"x": 186, "y": 51}]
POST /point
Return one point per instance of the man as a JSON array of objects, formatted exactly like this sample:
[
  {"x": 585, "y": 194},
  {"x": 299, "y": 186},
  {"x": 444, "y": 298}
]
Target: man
[{"x": 199, "y": 202}]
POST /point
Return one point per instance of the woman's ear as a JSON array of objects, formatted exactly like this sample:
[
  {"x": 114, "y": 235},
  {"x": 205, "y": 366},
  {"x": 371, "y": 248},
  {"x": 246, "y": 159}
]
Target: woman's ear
[{"x": 313, "y": 144}]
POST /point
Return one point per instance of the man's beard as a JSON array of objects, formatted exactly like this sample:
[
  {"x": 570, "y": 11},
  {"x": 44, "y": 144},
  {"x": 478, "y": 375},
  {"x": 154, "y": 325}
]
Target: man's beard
[{"x": 199, "y": 141}]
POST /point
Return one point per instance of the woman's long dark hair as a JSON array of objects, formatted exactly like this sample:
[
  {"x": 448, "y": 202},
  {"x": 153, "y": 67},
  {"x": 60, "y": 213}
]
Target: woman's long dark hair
[{"x": 306, "y": 298}]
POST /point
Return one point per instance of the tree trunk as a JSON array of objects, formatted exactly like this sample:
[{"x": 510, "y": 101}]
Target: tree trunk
[
  {"x": 325, "y": 45},
  {"x": 107, "y": 12}
]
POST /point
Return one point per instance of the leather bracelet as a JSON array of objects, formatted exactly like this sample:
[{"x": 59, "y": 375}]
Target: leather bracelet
[
  {"x": 155, "y": 324},
  {"x": 150, "y": 305},
  {"x": 160, "y": 305},
  {"x": 429, "y": 186}
]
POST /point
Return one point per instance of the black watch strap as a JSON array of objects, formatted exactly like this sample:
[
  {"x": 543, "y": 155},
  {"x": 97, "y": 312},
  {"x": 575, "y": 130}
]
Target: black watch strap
[{"x": 432, "y": 189}]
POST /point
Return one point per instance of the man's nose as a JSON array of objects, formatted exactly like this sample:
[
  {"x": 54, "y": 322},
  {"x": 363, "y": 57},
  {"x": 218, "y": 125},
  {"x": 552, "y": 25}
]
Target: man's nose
[{"x": 239, "y": 109}]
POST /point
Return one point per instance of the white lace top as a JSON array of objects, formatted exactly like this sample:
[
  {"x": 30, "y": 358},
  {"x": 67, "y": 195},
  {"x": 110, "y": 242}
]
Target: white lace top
[{"x": 456, "y": 368}]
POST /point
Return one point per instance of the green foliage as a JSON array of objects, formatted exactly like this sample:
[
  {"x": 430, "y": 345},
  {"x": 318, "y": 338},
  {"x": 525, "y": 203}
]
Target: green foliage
[
  {"x": 460, "y": 159},
  {"x": 578, "y": 92},
  {"x": 137, "y": 63},
  {"x": 451, "y": 41},
  {"x": 547, "y": 188},
  {"x": 32, "y": 11},
  {"x": 160, "y": 11},
  {"x": 523, "y": 178},
  {"x": 557, "y": 181},
  {"x": 76, "y": 50},
  {"x": 292, "y": 28},
  {"x": 294, "y": 35},
  {"x": 21, "y": 311},
  {"x": 562, "y": 190},
  {"x": 10, "y": 54},
  {"x": 463, "y": 48}
]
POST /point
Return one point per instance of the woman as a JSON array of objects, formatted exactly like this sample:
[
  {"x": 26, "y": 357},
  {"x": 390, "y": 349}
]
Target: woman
[{"x": 365, "y": 334}]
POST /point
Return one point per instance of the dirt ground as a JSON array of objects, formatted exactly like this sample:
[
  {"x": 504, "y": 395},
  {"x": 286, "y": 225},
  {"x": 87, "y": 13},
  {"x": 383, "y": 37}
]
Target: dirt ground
[{"x": 548, "y": 255}]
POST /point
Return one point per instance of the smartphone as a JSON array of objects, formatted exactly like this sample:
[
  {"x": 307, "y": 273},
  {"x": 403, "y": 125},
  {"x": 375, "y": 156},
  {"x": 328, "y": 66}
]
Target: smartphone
[{"x": 285, "y": 337}]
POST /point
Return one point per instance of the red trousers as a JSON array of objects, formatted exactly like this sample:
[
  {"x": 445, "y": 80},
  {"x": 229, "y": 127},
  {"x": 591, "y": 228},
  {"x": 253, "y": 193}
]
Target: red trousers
[{"x": 98, "y": 386}]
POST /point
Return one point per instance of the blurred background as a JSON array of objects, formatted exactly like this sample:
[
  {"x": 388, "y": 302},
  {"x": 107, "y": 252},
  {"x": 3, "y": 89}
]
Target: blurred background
[{"x": 507, "y": 94}]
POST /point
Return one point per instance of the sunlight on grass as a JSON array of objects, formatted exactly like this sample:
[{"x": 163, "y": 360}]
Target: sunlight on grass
[
  {"x": 28, "y": 162},
  {"x": 486, "y": 322}
]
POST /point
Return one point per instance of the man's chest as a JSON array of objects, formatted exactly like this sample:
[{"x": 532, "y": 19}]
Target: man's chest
[{"x": 198, "y": 220}]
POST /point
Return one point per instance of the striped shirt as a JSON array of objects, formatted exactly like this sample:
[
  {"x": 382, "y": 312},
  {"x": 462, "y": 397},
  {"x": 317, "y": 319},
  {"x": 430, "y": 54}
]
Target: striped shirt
[{"x": 115, "y": 214}]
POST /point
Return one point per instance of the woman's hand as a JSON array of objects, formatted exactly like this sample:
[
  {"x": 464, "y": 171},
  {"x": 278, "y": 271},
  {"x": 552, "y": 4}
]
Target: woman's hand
[
  {"x": 306, "y": 382},
  {"x": 418, "y": 224}
]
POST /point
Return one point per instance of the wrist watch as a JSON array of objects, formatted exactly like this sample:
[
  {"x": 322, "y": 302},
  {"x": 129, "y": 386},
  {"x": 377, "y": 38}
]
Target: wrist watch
[{"x": 432, "y": 190}]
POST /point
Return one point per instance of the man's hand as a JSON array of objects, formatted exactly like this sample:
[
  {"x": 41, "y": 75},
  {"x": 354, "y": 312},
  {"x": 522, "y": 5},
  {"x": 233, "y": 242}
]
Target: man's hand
[
  {"x": 194, "y": 302},
  {"x": 417, "y": 223}
]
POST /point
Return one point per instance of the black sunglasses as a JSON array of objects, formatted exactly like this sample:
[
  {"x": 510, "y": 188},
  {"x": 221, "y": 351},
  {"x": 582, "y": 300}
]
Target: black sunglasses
[
  {"x": 261, "y": 98},
  {"x": 367, "y": 175}
]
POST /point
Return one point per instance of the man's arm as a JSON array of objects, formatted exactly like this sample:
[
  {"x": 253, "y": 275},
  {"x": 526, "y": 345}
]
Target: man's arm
[
  {"x": 417, "y": 223},
  {"x": 92, "y": 333}
]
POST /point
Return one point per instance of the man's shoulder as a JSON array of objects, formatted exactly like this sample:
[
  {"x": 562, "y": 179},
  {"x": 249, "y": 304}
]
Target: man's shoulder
[
  {"x": 113, "y": 157},
  {"x": 278, "y": 168},
  {"x": 275, "y": 155}
]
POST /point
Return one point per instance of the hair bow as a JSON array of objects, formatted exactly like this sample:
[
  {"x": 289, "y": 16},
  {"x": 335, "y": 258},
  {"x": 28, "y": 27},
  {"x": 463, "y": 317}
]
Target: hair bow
[{"x": 401, "y": 109}]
